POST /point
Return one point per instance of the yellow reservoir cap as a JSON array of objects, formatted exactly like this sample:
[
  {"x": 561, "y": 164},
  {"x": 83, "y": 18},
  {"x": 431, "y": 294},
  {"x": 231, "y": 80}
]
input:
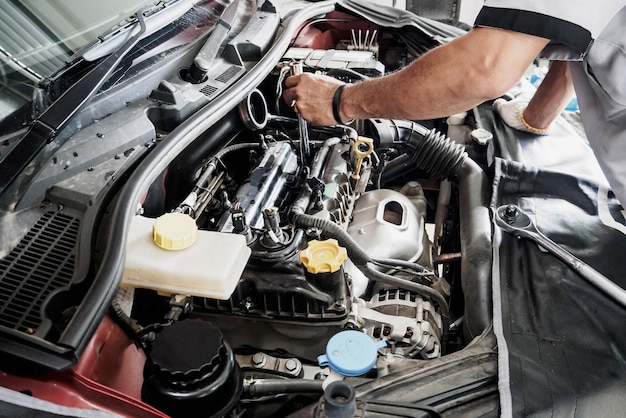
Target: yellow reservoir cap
[
  {"x": 323, "y": 256},
  {"x": 174, "y": 231}
]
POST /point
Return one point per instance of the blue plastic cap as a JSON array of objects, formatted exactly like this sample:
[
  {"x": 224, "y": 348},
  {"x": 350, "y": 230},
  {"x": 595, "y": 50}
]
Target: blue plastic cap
[{"x": 351, "y": 353}]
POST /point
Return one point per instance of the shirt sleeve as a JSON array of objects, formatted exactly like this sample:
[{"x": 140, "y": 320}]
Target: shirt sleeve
[{"x": 571, "y": 25}]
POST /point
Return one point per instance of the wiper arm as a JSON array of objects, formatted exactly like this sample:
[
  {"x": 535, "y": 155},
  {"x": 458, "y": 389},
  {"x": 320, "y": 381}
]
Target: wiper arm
[
  {"x": 210, "y": 50},
  {"x": 155, "y": 18},
  {"x": 59, "y": 113}
]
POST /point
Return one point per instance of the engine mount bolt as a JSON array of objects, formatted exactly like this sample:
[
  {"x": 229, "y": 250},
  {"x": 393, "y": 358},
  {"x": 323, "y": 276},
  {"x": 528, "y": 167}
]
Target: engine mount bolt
[
  {"x": 291, "y": 365},
  {"x": 258, "y": 360}
]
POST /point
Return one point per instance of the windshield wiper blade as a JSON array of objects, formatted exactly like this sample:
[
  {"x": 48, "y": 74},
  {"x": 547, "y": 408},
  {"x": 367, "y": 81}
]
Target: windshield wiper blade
[{"x": 56, "y": 117}]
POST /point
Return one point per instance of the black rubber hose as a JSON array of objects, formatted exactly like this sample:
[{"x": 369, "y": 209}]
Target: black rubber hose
[
  {"x": 426, "y": 149},
  {"x": 265, "y": 387},
  {"x": 392, "y": 262},
  {"x": 438, "y": 155},
  {"x": 476, "y": 247},
  {"x": 357, "y": 254}
]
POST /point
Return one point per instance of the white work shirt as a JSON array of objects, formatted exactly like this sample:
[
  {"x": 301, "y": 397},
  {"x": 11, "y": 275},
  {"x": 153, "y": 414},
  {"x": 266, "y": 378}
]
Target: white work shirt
[{"x": 592, "y": 35}]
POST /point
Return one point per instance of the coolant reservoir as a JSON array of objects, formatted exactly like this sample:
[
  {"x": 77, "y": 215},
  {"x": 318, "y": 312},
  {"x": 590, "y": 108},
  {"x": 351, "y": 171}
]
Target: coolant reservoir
[{"x": 170, "y": 255}]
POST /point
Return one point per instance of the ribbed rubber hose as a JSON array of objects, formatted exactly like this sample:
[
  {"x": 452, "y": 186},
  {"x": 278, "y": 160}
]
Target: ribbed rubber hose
[
  {"x": 426, "y": 149},
  {"x": 438, "y": 155}
]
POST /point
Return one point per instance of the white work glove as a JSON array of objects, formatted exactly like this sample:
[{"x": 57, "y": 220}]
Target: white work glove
[{"x": 511, "y": 113}]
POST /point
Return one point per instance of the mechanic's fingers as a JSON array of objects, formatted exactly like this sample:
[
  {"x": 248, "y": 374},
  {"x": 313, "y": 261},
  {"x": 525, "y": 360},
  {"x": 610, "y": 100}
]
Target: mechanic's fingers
[
  {"x": 290, "y": 96},
  {"x": 498, "y": 103},
  {"x": 293, "y": 80}
]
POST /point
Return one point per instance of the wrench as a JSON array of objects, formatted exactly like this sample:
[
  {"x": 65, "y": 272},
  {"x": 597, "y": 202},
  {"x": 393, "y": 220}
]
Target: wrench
[
  {"x": 512, "y": 219},
  {"x": 303, "y": 127}
]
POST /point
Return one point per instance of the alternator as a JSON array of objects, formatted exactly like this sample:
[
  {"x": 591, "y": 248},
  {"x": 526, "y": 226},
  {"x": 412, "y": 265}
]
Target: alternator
[{"x": 410, "y": 324}]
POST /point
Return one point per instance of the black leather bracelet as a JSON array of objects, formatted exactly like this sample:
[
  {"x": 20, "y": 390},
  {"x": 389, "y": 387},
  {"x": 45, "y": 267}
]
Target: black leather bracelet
[{"x": 336, "y": 103}]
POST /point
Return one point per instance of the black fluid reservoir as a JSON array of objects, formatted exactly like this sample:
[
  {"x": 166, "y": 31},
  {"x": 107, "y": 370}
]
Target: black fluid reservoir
[{"x": 191, "y": 371}]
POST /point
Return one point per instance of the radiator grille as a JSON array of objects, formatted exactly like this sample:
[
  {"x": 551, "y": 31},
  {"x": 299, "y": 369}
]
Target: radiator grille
[{"x": 42, "y": 262}]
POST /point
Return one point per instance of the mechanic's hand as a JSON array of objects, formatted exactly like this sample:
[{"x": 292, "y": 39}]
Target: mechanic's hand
[
  {"x": 511, "y": 112},
  {"x": 312, "y": 96}
]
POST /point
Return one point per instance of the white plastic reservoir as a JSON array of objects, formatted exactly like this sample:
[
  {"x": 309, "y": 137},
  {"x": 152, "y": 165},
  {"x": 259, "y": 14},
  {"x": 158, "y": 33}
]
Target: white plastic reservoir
[{"x": 170, "y": 255}]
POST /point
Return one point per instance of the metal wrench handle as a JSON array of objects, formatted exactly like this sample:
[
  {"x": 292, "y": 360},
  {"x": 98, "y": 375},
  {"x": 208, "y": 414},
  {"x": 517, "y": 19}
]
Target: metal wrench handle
[
  {"x": 303, "y": 128},
  {"x": 515, "y": 221}
]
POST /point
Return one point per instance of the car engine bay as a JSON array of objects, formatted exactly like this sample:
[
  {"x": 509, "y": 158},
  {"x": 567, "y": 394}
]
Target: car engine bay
[{"x": 333, "y": 221}]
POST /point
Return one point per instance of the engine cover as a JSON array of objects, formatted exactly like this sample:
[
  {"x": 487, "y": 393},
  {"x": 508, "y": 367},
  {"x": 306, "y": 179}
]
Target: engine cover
[{"x": 386, "y": 224}]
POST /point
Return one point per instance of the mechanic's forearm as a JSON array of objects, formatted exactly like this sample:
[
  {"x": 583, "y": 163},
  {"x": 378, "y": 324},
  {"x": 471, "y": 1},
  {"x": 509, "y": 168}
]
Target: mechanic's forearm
[
  {"x": 446, "y": 80},
  {"x": 428, "y": 88},
  {"x": 552, "y": 95}
]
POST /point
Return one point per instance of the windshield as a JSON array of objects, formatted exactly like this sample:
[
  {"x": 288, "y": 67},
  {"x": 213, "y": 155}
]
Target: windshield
[{"x": 37, "y": 36}]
